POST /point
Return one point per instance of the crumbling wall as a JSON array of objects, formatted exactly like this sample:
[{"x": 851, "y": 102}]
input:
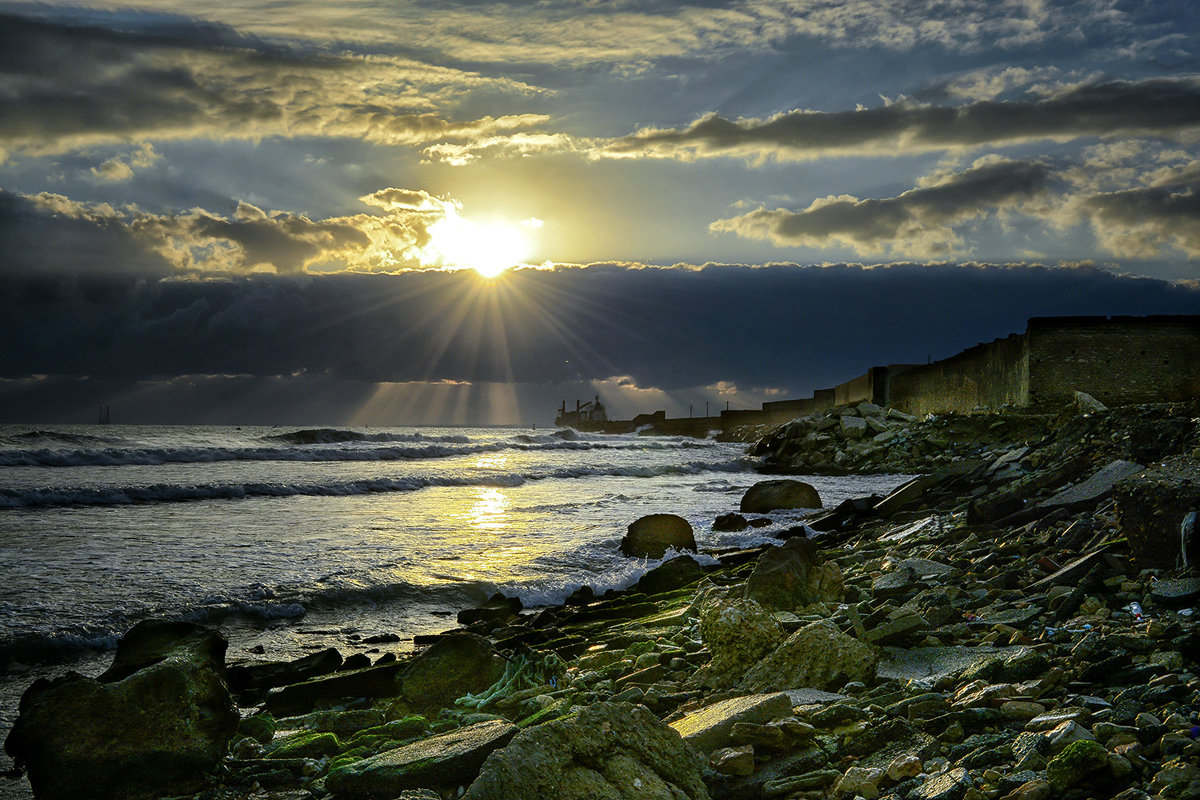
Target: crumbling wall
[
  {"x": 987, "y": 375},
  {"x": 1117, "y": 360}
]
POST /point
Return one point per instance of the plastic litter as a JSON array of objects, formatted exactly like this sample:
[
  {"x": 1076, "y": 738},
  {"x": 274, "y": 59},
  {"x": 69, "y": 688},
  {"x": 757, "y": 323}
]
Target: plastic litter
[{"x": 1135, "y": 609}]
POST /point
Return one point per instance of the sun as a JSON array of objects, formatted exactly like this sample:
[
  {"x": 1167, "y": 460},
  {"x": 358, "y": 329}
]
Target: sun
[{"x": 488, "y": 248}]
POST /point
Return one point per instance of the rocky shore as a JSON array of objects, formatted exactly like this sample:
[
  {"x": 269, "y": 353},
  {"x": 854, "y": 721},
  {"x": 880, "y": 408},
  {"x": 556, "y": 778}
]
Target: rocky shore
[{"x": 1015, "y": 622}]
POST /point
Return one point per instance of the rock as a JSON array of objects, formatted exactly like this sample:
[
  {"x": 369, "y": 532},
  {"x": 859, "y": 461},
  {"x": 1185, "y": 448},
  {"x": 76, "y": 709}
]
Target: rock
[
  {"x": 1036, "y": 789},
  {"x": 1151, "y": 507},
  {"x": 609, "y": 750},
  {"x": 152, "y": 731},
  {"x": 309, "y": 744},
  {"x": 853, "y": 427},
  {"x": 1078, "y": 762},
  {"x": 269, "y": 676},
  {"x": 1072, "y": 573},
  {"x": 860, "y": 781},
  {"x": 739, "y": 633},
  {"x": 1067, "y": 732},
  {"x": 449, "y": 759},
  {"x": 1086, "y": 404},
  {"x": 1174, "y": 775},
  {"x": 793, "y": 576},
  {"x": 896, "y": 631},
  {"x": 897, "y": 583},
  {"x": 344, "y": 723},
  {"x": 733, "y": 760},
  {"x": 1091, "y": 490},
  {"x": 710, "y": 727},
  {"x": 651, "y": 536},
  {"x": 1021, "y": 710},
  {"x": 300, "y": 698},
  {"x": 904, "y": 767},
  {"x": 817, "y": 655},
  {"x": 767, "y": 496},
  {"x": 1176, "y": 592},
  {"x": 950, "y": 785},
  {"x": 455, "y": 665},
  {"x": 730, "y": 523},
  {"x": 670, "y": 575},
  {"x": 153, "y": 640},
  {"x": 496, "y": 611}
]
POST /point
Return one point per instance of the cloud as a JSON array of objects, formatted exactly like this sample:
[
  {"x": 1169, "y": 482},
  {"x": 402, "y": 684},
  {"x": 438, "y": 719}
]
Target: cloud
[
  {"x": 630, "y": 36},
  {"x": 517, "y": 145},
  {"x": 70, "y": 87},
  {"x": 121, "y": 168},
  {"x": 919, "y": 223},
  {"x": 66, "y": 235},
  {"x": 1157, "y": 107},
  {"x": 1142, "y": 222},
  {"x": 660, "y": 329}
]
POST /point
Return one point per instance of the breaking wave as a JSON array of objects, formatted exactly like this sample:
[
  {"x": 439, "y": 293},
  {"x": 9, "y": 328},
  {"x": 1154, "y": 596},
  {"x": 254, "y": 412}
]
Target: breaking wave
[
  {"x": 169, "y": 493},
  {"x": 152, "y": 456},
  {"x": 339, "y": 435}
]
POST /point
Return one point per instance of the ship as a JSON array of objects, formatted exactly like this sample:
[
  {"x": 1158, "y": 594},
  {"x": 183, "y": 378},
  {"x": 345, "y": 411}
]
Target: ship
[{"x": 588, "y": 415}]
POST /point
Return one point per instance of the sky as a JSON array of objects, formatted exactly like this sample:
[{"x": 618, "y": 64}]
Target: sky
[{"x": 464, "y": 211}]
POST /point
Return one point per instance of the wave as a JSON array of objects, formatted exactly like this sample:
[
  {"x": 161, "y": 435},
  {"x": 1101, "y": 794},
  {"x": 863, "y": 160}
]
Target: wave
[
  {"x": 37, "y": 497},
  {"x": 340, "y": 435},
  {"x": 153, "y": 456},
  {"x": 62, "y": 436}
]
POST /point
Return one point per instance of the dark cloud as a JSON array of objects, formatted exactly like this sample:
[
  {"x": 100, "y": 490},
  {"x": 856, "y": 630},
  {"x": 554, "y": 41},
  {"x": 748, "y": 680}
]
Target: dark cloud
[
  {"x": 70, "y": 86},
  {"x": 1141, "y": 222},
  {"x": 919, "y": 222},
  {"x": 35, "y": 241},
  {"x": 1154, "y": 107},
  {"x": 781, "y": 326}
]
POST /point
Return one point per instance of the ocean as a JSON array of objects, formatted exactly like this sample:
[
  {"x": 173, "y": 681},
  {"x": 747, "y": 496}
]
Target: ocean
[{"x": 293, "y": 540}]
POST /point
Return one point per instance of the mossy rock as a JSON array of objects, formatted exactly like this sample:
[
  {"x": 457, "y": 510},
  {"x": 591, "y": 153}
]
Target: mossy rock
[
  {"x": 406, "y": 728},
  {"x": 306, "y": 745},
  {"x": 350, "y": 756},
  {"x": 1078, "y": 762},
  {"x": 639, "y": 648},
  {"x": 260, "y": 727},
  {"x": 553, "y": 711}
]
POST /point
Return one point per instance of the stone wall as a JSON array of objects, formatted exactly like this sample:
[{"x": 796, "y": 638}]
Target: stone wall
[
  {"x": 987, "y": 375},
  {"x": 1118, "y": 360}
]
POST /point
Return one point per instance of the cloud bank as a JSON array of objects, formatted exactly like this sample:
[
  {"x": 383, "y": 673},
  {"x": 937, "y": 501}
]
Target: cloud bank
[
  {"x": 69, "y": 87},
  {"x": 1160, "y": 106}
]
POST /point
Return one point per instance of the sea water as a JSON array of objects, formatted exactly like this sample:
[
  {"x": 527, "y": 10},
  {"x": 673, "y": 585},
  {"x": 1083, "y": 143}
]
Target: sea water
[{"x": 293, "y": 540}]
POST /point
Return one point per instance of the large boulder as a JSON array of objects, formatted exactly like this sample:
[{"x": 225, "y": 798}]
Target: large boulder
[
  {"x": 153, "y": 725},
  {"x": 270, "y": 675},
  {"x": 1152, "y": 509},
  {"x": 651, "y": 536},
  {"x": 771, "y": 495},
  {"x": 450, "y": 760},
  {"x": 670, "y": 575},
  {"x": 455, "y": 665},
  {"x": 615, "y": 751},
  {"x": 708, "y": 728},
  {"x": 739, "y": 633},
  {"x": 818, "y": 655},
  {"x": 793, "y": 576}
]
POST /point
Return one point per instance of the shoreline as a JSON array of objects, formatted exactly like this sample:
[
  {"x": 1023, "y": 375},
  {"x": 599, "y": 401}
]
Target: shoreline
[{"x": 1031, "y": 617}]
